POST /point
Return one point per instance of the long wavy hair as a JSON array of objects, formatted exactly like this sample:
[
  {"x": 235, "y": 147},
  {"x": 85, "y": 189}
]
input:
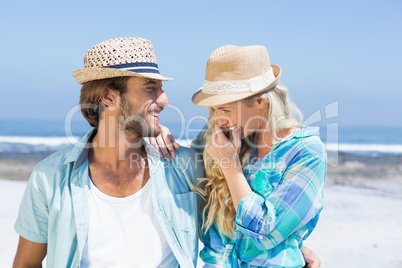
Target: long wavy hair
[{"x": 218, "y": 206}]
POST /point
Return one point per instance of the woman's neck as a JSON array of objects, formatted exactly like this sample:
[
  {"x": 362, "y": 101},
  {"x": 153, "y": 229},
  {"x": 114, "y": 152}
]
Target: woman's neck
[{"x": 265, "y": 141}]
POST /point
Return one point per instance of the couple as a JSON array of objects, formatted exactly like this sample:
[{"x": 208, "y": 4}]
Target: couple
[{"x": 112, "y": 201}]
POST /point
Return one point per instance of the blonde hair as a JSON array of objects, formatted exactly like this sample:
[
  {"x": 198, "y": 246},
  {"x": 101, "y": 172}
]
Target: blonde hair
[{"x": 218, "y": 206}]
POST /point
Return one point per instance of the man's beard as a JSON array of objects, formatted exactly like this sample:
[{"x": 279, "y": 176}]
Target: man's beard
[{"x": 135, "y": 124}]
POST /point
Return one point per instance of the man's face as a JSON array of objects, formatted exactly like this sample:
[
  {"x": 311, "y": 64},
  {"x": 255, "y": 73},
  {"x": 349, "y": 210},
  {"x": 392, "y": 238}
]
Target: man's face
[{"x": 140, "y": 107}]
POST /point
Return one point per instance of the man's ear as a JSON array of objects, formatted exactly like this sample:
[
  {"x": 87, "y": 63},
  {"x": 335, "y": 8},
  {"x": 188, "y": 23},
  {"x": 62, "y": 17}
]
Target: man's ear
[{"x": 109, "y": 97}]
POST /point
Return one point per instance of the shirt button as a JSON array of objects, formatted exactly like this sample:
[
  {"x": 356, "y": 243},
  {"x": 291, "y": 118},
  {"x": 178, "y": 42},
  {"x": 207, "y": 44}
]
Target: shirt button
[{"x": 260, "y": 237}]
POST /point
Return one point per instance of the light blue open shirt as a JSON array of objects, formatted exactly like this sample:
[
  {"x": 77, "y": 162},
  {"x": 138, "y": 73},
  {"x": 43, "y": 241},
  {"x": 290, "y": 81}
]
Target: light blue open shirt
[{"x": 54, "y": 208}]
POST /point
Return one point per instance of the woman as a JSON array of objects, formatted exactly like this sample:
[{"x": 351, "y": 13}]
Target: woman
[{"x": 265, "y": 171}]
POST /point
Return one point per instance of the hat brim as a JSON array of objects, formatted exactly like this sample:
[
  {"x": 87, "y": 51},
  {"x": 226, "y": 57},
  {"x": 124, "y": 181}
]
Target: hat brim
[
  {"x": 95, "y": 73},
  {"x": 207, "y": 100}
]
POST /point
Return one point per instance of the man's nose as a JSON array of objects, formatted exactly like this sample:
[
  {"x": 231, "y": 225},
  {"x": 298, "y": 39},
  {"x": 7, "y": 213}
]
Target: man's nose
[{"x": 162, "y": 99}]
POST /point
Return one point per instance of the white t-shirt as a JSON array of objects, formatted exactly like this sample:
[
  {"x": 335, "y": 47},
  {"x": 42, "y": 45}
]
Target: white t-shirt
[{"x": 124, "y": 232}]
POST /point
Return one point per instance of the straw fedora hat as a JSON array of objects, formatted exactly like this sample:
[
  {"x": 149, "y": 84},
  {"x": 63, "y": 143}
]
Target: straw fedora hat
[
  {"x": 234, "y": 73},
  {"x": 118, "y": 57}
]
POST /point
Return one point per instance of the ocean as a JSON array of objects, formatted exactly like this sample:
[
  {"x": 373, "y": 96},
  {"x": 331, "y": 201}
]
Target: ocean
[{"x": 46, "y": 136}]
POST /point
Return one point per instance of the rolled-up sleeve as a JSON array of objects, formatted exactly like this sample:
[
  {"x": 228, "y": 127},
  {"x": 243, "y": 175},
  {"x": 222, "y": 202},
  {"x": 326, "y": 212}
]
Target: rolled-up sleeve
[
  {"x": 32, "y": 221},
  {"x": 297, "y": 199}
]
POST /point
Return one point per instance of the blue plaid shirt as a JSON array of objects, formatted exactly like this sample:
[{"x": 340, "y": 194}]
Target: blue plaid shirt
[{"x": 282, "y": 210}]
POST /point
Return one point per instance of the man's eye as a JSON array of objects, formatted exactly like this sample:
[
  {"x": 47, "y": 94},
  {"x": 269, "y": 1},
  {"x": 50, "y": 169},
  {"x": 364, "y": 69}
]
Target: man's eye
[
  {"x": 151, "y": 89},
  {"x": 226, "y": 111}
]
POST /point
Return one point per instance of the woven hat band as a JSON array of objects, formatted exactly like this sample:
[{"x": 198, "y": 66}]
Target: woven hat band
[
  {"x": 254, "y": 84},
  {"x": 137, "y": 67}
]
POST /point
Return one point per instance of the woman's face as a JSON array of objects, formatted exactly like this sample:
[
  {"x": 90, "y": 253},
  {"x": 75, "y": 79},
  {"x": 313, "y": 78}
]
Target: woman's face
[{"x": 248, "y": 115}]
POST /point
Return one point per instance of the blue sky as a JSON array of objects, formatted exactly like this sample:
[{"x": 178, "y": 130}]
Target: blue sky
[{"x": 344, "y": 53}]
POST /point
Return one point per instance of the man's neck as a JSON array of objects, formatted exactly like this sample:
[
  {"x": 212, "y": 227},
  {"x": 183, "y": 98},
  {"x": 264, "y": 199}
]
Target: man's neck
[
  {"x": 116, "y": 148},
  {"x": 118, "y": 166}
]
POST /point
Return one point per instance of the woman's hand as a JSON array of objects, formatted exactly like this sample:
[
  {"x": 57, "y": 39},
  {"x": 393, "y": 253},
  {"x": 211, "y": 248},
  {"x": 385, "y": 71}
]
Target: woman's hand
[
  {"x": 224, "y": 151},
  {"x": 226, "y": 154},
  {"x": 165, "y": 143},
  {"x": 312, "y": 261}
]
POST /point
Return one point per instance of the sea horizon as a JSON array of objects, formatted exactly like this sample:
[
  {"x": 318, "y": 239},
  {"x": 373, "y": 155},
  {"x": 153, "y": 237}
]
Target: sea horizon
[{"x": 41, "y": 135}]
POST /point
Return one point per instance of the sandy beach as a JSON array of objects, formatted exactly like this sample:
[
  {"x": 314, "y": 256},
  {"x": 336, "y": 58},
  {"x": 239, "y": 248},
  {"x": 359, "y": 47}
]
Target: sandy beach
[{"x": 360, "y": 226}]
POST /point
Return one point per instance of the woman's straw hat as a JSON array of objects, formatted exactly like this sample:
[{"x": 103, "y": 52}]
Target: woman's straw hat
[
  {"x": 129, "y": 56},
  {"x": 234, "y": 73}
]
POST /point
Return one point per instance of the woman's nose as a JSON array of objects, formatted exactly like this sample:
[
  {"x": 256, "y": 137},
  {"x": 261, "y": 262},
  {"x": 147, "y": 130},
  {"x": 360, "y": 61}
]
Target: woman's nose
[{"x": 222, "y": 121}]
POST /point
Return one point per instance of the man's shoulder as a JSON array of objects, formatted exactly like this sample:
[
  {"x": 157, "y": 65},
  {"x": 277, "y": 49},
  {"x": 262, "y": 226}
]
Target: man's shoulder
[
  {"x": 186, "y": 154},
  {"x": 55, "y": 158},
  {"x": 60, "y": 158},
  {"x": 188, "y": 161},
  {"x": 185, "y": 151},
  {"x": 54, "y": 165}
]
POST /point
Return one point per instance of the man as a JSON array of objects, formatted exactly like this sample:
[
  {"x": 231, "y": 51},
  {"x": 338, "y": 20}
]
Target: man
[{"x": 110, "y": 200}]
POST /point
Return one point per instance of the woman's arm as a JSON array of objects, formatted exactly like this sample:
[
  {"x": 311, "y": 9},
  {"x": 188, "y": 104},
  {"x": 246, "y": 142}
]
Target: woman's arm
[
  {"x": 225, "y": 153},
  {"x": 165, "y": 143},
  {"x": 270, "y": 217}
]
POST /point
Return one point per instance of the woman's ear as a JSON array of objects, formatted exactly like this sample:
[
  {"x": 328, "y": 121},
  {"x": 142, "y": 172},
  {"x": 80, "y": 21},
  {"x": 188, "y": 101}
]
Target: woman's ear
[{"x": 262, "y": 104}]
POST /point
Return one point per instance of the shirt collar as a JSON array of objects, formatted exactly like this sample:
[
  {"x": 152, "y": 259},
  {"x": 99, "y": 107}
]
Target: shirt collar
[
  {"x": 151, "y": 150},
  {"x": 76, "y": 150},
  {"x": 304, "y": 132},
  {"x": 79, "y": 150}
]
